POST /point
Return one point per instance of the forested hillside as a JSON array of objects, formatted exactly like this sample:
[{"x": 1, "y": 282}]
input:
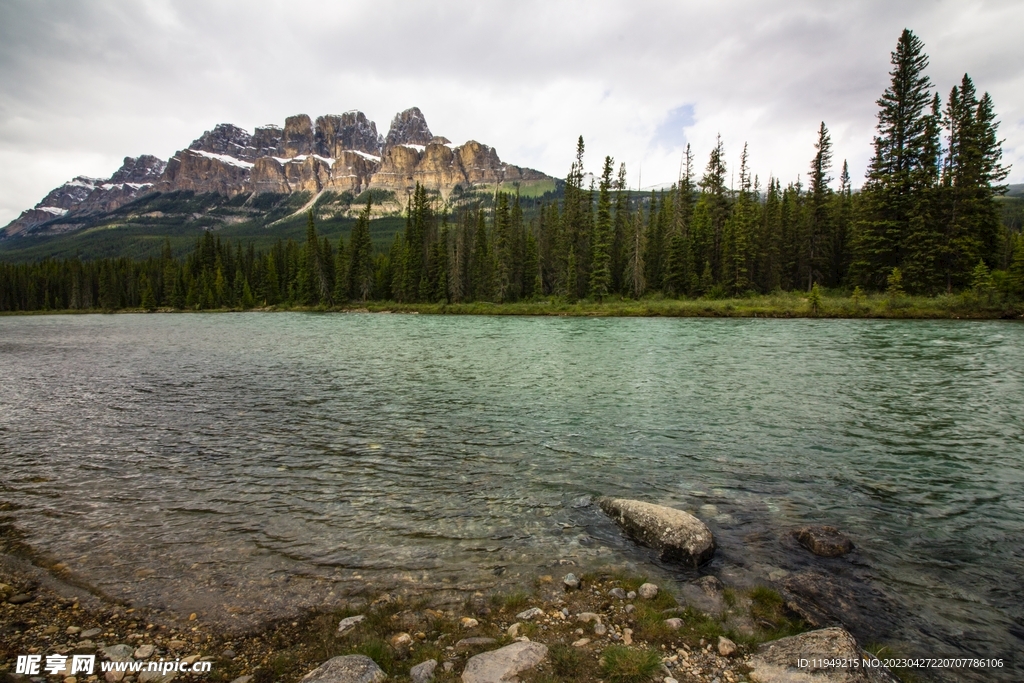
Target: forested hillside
[{"x": 929, "y": 219}]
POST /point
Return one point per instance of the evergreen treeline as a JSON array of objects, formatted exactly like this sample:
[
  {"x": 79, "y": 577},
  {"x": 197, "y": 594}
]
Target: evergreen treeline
[{"x": 926, "y": 221}]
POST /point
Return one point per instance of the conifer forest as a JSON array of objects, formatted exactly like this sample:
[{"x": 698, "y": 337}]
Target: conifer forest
[{"x": 926, "y": 221}]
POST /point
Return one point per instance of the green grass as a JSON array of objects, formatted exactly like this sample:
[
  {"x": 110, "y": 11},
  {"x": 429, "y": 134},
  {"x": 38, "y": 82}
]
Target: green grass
[
  {"x": 622, "y": 664},
  {"x": 778, "y": 305},
  {"x": 773, "y": 619},
  {"x": 511, "y": 602}
]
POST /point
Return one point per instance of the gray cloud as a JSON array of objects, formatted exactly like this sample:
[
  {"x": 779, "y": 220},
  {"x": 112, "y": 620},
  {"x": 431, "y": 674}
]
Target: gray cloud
[{"x": 85, "y": 84}]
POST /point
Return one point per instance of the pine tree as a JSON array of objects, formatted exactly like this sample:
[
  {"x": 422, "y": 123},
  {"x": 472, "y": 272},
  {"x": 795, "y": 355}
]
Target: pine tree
[
  {"x": 818, "y": 200},
  {"x": 600, "y": 260},
  {"x": 678, "y": 268},
  {"x": 361, "y": 268},
  {"x": 620, "y": 238},
  {"x": 635, "y": 280},
  {"x": 894, "y": 179}
]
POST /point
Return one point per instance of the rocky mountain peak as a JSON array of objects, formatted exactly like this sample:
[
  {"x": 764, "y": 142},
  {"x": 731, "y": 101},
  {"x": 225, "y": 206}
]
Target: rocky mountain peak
[
  {"x": 349, "y": 131},
  {"x": 297, "y": 138},
  {"x": 225, "y": 138},
  {"x": 140, "y": 170},
  {"x": 408, "y": 128}
]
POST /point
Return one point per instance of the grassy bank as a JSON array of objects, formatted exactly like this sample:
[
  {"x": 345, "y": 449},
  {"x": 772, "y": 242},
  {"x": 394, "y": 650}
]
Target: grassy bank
[{"x": 778, "y": 305}]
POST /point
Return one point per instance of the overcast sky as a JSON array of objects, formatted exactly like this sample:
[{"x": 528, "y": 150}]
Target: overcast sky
[{"x": 84, "y": 84}]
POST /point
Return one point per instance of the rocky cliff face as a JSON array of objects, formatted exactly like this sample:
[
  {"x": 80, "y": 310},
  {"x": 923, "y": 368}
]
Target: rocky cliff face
[
  {"x": 84, "y": 196},
  {"x": 339, "y": 153},
  {"x": 408, "y": 128}
]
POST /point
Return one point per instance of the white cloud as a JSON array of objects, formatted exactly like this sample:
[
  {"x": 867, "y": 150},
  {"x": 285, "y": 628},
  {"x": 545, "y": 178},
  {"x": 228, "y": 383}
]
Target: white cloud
[{"x": 86, "y": 84}]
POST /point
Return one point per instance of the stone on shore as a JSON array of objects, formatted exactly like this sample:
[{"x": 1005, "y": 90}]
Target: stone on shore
[
  {"x": 504, "y": 664},
  {"x": 779, "y": 661},
  {"x": 527, "y": 615},
  {"x": 824, "y": 541},
  {"x": 679, "y": 536},
  {"x": 725, "y": 646},
  {"x": 346, "y": 669},
  {"x": 648, "y": 591},
  {"x": 349, "y": 623},
  {"x": 423, "y": 672},
  {"x": 570, "y": 582},
  {"x": 470, "y": 643}
]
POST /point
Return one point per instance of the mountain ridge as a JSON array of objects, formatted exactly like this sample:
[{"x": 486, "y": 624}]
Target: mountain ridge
[{"x": 339, "y": 153}]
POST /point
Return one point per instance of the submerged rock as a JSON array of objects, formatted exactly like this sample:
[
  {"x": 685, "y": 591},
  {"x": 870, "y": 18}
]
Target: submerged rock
[
  {"x": 678, "y": 535},
  {"x": 824, "y": 541},
  {"x": 794, "y": 659},
  {"x": 504, "y": 664},
  {"x": 347, "y": 669}
]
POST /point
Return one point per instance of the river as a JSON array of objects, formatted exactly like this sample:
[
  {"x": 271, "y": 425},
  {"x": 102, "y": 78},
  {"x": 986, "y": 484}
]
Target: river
[{"x": 249, "y": 465}]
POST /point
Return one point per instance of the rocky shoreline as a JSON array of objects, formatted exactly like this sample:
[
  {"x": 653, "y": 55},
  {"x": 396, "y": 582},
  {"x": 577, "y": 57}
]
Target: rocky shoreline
[{"x": 574, "y": 627}]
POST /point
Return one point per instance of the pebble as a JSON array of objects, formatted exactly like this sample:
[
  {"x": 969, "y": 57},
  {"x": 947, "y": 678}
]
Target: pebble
[
  {"x": 144, "y": 651},
  {"x": 401, "y": 641},
  {"x": 448, "y": 666},
  {"x": 600, "y": 629},
  {"x": 629, "y": 608},
  {"x": 349, "y": 623},
  {"x": 513, "y": 630},
  {"x": 90, "y": 633},
  {"x": 50, "y": 630},
  {"x": 469, "y": 622},
  {"x": 570, "y": 582},
  {"x": 526, "y": 615},
  {"x": 631, "y": 595},
  {"x": 581, "y": 642},
  {"x": 178, "y": 644},
  {"x": 674, "y": 623},
  {"x": 20, "y": 599},
  {"x": 470, "y": 643},
  {"x": 617, "y": 593},
  {"x": 227, "y": 654},
  {"x": 648, "y": 591},
  {"x": 725, "y": 646},
  {"x": 627, "y": 636},
  {"x": 669, "y": 679},
  {"x": 242, "y": 679},
  {"x": 588, "y": 616},
  {"x": 72, "y": 630},
  {"x": 423, "y": 672}
]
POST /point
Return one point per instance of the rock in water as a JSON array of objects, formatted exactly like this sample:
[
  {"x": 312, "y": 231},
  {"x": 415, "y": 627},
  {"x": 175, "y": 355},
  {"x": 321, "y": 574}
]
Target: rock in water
[
  {"x": 779, "y": 661},
  {"x": 505, "y": 664},
  {"x": 347, "y": 669},
  {"x": 825, "y": 541},
  {"x": 424, "y": 672},
  {"x": 678, "y": 535}
]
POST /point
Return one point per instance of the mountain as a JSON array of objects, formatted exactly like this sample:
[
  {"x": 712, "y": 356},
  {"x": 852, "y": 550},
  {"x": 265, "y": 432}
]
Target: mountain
[{"x": 335, "y": 155}]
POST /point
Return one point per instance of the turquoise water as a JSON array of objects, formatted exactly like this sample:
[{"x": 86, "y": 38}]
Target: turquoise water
[{"x": 249, "y": 464}]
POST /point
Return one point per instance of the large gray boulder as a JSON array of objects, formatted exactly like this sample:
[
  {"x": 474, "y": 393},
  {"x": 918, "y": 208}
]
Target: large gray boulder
[
  {"x": 347, "y": 669},
  {"x": 679, "y": 536},
  {"x": 793, "y": 659},
  {"x": 504, "y": 664}
]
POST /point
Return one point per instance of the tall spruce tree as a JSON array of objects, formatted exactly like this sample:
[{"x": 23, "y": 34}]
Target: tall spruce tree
[
  {"x": 815, "y": 256},
  {"x": 601, "y": 245},
  {"x": 894, "y": 181},
  {"x": 361, "y": 268}
]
